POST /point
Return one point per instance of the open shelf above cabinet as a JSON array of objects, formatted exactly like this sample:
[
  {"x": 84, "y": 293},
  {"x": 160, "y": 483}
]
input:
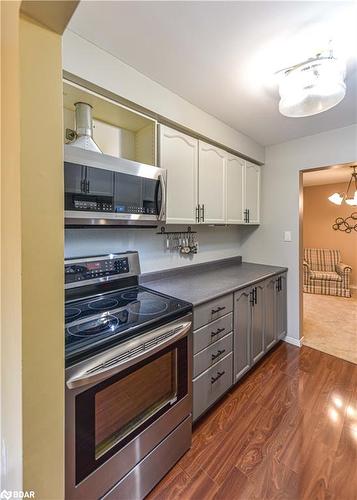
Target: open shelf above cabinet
[{"x": 118, "y": 131}]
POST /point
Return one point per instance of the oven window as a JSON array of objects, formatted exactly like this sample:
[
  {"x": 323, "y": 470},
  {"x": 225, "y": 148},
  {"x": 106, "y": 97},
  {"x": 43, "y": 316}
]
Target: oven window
[
  {"x": 111, "y": 413},
  {"x": 125, "y": 405}
]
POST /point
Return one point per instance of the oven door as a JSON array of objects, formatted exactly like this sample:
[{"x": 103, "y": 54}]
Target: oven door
[
  {"x": 119, "y": 407},
  {"x": 103, "y": 190}
]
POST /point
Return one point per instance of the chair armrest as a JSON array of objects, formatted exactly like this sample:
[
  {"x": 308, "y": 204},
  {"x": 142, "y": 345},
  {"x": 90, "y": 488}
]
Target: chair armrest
[
  {"x": 344, "y": 271},
  {"x": 307, "y": 272},
  {"x": 343, "y": 268}
]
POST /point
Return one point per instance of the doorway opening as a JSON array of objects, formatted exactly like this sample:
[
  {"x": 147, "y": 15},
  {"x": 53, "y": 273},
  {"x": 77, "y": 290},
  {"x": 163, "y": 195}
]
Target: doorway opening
[{"x": 328, "y": 257}]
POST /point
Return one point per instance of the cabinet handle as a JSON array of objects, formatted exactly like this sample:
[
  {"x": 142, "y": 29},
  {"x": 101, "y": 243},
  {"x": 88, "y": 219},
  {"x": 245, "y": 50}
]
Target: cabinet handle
[
  {"x": 218, "y": 331},
  {"x": 255, "y": 295},
  {"x": 252, "y": 298},
  {"x": 203, "y": 212},
  {"x": 245, "y": 215},
  {"x": 248, "y": 216},
  {"x": 198, "y": 208},
  {"x": 218, "y": 354},
  {"x": 219, "y": 375},
  {"x": 219, "y": 309}
]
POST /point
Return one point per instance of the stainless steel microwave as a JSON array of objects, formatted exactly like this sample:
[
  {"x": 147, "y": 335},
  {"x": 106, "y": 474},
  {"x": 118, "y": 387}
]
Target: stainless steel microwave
[{"x": 101, "y": 190}]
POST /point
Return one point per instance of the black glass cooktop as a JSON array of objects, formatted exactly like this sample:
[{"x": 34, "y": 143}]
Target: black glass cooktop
[{"x": 94, "y": 323}]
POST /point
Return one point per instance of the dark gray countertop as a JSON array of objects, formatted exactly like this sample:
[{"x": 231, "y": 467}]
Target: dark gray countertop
[{"x": 203, "y": 282}]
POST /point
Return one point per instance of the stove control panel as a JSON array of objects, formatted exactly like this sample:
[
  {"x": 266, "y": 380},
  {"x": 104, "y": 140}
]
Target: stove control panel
[{"x": 103, "y": 268}]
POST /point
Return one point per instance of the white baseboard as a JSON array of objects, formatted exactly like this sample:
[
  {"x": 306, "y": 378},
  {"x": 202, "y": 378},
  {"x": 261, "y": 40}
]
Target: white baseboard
[{"x": 293, "y": 340}]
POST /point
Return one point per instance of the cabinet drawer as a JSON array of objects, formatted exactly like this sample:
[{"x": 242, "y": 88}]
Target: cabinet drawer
[
  {"x": 212, "y": 354},
  {"x": 212, "y": 332},
  {"x": 212, "y": 310},
  {"x": 207, "y": 388}
]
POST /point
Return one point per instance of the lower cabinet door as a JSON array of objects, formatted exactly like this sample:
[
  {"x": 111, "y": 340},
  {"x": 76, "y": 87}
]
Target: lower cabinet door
[
  {"x": 281, "y": 307},
  {"x": 270, "y": 330},
  {"x": 257, "y": 325},
  {"x": 242, "y": 321},
  {"x": 211, "y": 384}
]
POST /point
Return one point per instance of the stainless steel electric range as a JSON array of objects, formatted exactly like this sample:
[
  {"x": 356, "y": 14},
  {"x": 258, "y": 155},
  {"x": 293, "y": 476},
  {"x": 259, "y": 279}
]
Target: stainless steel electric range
[{"x": 128, "y": 379}]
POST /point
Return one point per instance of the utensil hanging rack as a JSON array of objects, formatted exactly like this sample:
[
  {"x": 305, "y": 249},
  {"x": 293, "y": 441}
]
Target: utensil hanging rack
[
  {"x": 184, "y": 242},
  {"x": 187, "y": 231}
]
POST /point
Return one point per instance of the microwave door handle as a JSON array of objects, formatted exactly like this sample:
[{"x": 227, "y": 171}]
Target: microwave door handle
[
  {"x": 105, "y": 368},
  {"x": 161, "y": 213}
]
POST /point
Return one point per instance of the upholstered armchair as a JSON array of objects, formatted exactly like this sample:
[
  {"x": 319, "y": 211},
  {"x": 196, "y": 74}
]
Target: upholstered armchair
[{"x": 324, "y": 273}]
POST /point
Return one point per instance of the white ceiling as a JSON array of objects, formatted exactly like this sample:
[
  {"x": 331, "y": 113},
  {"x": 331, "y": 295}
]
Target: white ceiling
[
  {"x": 221, "y": 56},
  {"x": 327, "y": 176}
]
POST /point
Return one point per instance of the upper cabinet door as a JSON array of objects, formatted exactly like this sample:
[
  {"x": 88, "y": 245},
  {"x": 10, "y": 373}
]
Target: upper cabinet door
[
  {"x": 235, "y": 189},
  {"x": 178, "y": 153},
  {"x": 252, "y": 193},
  {"x": 212, "y": 185}
]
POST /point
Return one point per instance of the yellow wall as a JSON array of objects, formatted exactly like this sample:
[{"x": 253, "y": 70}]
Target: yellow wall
[
  {"x": 42, "y": 260},
  {"x": 11, "y": 419}
]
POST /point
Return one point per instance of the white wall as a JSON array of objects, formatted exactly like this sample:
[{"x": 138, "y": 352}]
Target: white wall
[
  {"x": 280, "y": 203},
  {"x": 91, "y": 63},
  {"x": 214, "y": 243}
]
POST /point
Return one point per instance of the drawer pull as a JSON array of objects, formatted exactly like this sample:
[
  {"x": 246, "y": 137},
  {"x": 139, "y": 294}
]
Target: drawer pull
[
  {"x": 218, "y": 376},
  {"x": 219, "y": 309},
  {"x": 217, "y": 332},
  {"x": 217, "y": 355}
]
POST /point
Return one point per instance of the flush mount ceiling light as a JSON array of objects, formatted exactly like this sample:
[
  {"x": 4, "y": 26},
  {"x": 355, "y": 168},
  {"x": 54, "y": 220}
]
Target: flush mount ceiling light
[
  {"x": 311, "y": 87},
  {"x": 338, "y": 198}
]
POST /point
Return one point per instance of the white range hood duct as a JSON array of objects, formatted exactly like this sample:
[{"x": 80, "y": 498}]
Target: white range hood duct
[{"x": 84, "y": 128}]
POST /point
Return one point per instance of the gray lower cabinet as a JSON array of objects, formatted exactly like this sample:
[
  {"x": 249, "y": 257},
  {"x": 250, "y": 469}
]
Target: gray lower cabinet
[
  {"x": 275, "y": 310},
  {"x": 242, "y": 322},
  {"x": 209, "y": 334},
  {"x": 212, "y": 354},
  {"x": 232, "y": 333},
  {"x": 212, "y": 349},
  {"x": 257, "y": 322},
  {"x": 281, "y": 306},
  {"x": 211, "y": 385},
  {"x": 270, "y": 333},
  {"x": 210, "y": 311}
]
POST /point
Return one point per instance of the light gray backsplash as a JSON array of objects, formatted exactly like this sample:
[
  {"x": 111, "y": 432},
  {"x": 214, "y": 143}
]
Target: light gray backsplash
[{"x": 214, "y": 243}]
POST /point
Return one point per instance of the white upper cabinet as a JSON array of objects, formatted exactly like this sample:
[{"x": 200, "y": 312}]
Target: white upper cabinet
[
  {"x": 205, "y": 184},
  {"x": 211, "y": 184},
  {"x": 252, "y": 193},
  {"x": 235, "y": 189},
  {"x": 179, "y": 155}
]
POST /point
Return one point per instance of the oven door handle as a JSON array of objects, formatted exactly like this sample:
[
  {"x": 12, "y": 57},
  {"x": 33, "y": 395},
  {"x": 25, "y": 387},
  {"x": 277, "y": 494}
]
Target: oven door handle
[{"x": 128, "y": 354}]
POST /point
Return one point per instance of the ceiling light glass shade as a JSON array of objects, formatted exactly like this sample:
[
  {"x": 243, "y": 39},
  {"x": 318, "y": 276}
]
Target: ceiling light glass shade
[
  {"x": 336, "y": 198},
  {"x": 352, "y": 201},
  {"x": 311, "y": 87}
]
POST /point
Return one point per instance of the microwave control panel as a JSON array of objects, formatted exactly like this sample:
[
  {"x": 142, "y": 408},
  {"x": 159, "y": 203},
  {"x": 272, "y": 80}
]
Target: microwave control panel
[
  {"x": 92, "y": 269},
  {"x": 91, "y": 203}
]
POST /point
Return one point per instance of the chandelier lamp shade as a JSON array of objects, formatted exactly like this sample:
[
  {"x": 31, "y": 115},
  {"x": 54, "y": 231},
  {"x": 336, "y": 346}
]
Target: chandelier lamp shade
[
  {"x": 350, "y": 198},
  {"x": 311, "y": 87}
]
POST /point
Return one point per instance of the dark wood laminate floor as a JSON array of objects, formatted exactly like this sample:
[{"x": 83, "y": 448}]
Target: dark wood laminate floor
[{"x": 287, "y": 431}]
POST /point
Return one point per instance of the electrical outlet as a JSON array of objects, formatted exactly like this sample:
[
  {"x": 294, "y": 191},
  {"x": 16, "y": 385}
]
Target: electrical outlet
[{"x": 287, "y": 235}]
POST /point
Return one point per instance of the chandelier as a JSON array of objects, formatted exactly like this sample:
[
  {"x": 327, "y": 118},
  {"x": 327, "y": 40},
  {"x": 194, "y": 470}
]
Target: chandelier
[{"x": 338, "y": 198}]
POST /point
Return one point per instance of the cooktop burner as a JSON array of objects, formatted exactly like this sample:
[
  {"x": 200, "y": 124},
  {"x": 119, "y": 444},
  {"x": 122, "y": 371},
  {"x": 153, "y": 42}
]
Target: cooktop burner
[
  {"x": 103, "y": 304},
  {"x": 149, "y": 307},
  {"x": 71, "y": 313},
  {"x": 109, "y": 318}
]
